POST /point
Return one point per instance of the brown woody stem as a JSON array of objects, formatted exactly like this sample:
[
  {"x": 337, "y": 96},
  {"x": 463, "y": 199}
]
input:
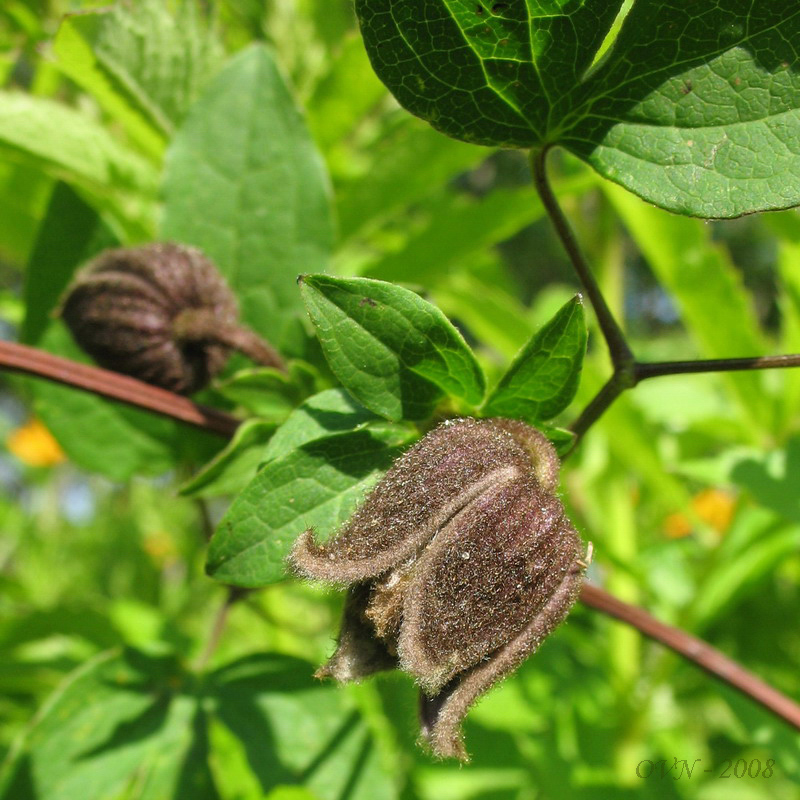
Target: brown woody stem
[
  {"x": 105, "y": 383},
  {"x": 696, "y": 650},
  {"x": 31, "y": 361},
  {"x": 200, "y": 325}
]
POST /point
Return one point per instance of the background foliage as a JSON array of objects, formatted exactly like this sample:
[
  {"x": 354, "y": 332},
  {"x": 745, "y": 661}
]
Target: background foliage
[{"x": 182, "y": 122}]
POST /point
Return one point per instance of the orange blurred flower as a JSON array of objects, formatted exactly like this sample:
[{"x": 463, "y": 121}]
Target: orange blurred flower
[
  {"x": 714, "y": 506},
  {"x": 34, "y": 445}
]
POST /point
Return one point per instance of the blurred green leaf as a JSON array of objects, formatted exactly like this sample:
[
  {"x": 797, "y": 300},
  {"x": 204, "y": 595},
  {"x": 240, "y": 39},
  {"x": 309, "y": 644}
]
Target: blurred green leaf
[
  {"x": 459, "y": 227},
  {"x": 499, "y": 320},
  {"x": 396, "y": 353},
  {"x": 263, "y": 391},
  {"x": 71, "y": 145},
  {"x": 24, "y": 196},
  {"x": 406, "y": 164},
  {"x": 123, "y": 720},
  {"x": 543, "y": 378},
  {"x": 695, "y": 112},
  {"x": 245, "y": 184},
  {"x": 299, "y": 731},
  {"x": 774, "y": 479},
  {"x": 144, "y": 66},
  {"x": 71, "y": 233},
  {"x": 347, "y": 91},
  {"x": 77, "y": 58},
  {"x": 317, "y": 485},
  {"x": 752, "y": 550},
  {"x": 708, "y": 290}
]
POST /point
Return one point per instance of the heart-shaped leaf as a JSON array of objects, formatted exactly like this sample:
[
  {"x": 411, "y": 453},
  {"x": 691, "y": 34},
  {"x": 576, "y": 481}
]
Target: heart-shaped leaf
[{"x": 694, "y": 107}]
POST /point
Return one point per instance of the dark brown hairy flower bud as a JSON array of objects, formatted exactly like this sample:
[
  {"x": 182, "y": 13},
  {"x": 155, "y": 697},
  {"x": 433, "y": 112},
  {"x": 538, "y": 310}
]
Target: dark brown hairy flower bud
[
  {"x": 161, "y": 313},
  {"x": 459, "y": 563}
]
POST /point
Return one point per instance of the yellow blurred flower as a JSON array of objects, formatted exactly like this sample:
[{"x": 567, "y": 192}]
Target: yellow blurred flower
[
  {"x": 714, "y": 506},
  {"x": 158, "y": 544},
  {"x": 34, "y": 445}
]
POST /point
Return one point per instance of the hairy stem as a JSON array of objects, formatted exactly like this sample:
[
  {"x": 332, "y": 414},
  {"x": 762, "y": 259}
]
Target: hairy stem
[{"x": 621, "y": 355}]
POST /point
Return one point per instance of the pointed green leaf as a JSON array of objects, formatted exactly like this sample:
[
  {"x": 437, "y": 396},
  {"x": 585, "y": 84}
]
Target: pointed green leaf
[
  {"x": 394, "y": 352},
  {"x": 245, "y": 183},
  {"x": 694, "y": 108},
  {"x": 543, "y": 378},
  {"x": 319, "y": 484}
]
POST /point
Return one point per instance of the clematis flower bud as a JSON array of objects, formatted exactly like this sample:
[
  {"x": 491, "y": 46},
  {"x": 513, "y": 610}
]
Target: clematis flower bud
[
  {"x": 161, "y": 313},
  {"x": 459, "y": 563}
]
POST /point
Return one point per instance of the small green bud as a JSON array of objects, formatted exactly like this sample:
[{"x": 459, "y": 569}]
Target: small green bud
[{"x": 460, "y": 562}]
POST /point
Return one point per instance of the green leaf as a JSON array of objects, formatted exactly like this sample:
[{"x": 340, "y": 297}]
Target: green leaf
[
  {"x": 235, "y": 465},
  {"x": 263, "y": 391},
  {"x": 694, "y": 109},
  {"x": 347, "y": 91},
  {"x": 24, "y": 196},
  {"x": 72, "y": 146},
  {"x": 408, "y": 163},
  {"x": 543, "y": 378},
  {"x": 75, "y": 56},
  {"x": 489, "y": 73},
  {"x": 319, "y": 484},
  {"x": 327, "y": 413},
  {"x": 122, "y": 720},
  {"x": 500, "y": 321},
  {"x": 698, "y": 112},
  {"x": 394, "y": 352},
  {"x": 245, "y": 183},
  {"x": 144, "y": 66},
  {"x": 70, "y": 234},
  {"x": 299, "y": 731}
]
